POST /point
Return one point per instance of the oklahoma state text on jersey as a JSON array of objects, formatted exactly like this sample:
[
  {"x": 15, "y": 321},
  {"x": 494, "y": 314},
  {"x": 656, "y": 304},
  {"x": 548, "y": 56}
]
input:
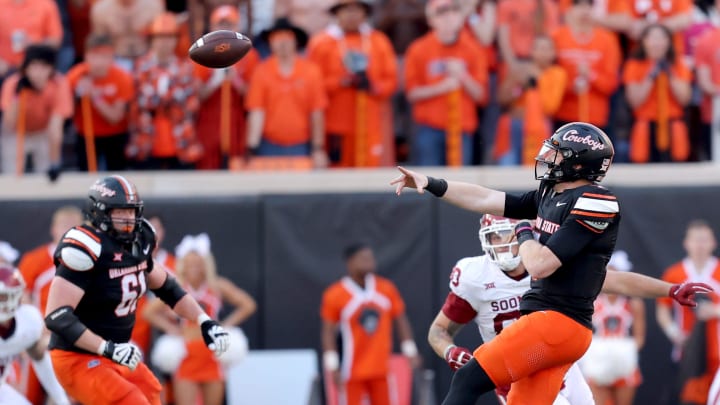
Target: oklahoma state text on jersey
[
  {"x": 112, "y": 286},
  {"x": 580, "y": 227}
]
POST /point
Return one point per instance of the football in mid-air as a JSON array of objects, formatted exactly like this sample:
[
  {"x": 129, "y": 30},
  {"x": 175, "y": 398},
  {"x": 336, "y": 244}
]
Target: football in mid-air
[{"x": 220, "y": 49}]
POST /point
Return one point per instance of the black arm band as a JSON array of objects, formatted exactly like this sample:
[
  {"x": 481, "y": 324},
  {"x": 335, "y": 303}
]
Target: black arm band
[
  {"x": 63, "y": 322},
  {"x": 170, "y": 292},
  {"x": 525, "y": 235},
  {"x": 437, "y": 187}
]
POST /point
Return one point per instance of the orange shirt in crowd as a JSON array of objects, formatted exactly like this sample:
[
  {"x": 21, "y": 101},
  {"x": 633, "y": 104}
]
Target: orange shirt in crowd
[
  {"x": 684, "y": 271},
  {"x": 707, "y": 54},
  {"x": 116, "y": 86},
  {"x": 425, "y": 65},
  {"x": 600, "y": 51},
  {"x": 658, "y": 10},
  {"x": 26, "y": 22},
  {"x": 38, "y": 270},
  {"x": 209, "y": 119},
  {"x": 55, "y": 98},
  {"x": 636, "y": 71},
  {"x": 328, "y": 50},
  {"x": 365, "y": 317},
  {"x": 519, "y": 17},
  {"x": 288, "y": 101}
]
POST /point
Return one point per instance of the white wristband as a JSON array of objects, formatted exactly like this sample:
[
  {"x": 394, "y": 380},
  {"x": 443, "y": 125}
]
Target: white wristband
[
  {"x": 408, "y": 348},
  {"x": 331, "y": 360},
  {"x": 202, "y": 318},
  {"x": 447, "y": 349},
  {"x": 101, "y": 348}
]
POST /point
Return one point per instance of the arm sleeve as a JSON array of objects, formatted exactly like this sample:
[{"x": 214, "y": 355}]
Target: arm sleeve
[
  {"x": 522, "y": 206},
  {"x": 458, "y": 310}
]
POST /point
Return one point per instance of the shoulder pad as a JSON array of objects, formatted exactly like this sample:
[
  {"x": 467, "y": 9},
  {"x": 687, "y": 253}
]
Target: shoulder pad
[
  {"x": 464, "y": 276},
  {"x": 76, "y": 259},
  {"x": 85, "y": 240}
]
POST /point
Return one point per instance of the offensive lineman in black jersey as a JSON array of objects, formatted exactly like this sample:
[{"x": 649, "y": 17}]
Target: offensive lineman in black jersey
[
  {"x": 102, "y": 269},
  {"x": 577, "y": 221}
]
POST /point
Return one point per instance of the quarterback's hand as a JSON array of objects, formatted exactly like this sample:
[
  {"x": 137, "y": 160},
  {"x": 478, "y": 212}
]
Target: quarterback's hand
[
  {"x": 457, "y": 357},
  {"x": 126, "y": 354},
  {"x": 216, "y": 338},
  {"x": 684, "y": 293},
  {"x": 409, "y": 178}
]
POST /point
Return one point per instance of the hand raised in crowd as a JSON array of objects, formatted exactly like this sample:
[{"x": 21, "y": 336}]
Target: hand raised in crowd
[
  {"x": 83, "y": 86},
  {"x": 411, "y": 179},
  {"x": 320, "y": 159}
]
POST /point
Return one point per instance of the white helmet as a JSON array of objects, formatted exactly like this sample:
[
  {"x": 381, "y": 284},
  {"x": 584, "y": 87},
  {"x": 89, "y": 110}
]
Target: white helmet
[
  {"x": 492, "y": 228},
  {"x": 12, "y": 286}
]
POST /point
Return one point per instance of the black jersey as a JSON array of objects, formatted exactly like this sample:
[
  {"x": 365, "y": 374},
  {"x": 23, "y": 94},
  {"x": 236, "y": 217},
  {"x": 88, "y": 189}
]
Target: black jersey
[
  {"x": 580, "y": 227},
  {"x": 113, "y": 283}
]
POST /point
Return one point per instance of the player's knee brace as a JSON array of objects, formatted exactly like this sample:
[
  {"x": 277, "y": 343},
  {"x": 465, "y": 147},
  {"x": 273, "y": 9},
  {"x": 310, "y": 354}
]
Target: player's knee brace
[
  {"x": 468, "y": 383},
  {"x": 170, "y": 292},
  {"x": 63, "y": 322}
]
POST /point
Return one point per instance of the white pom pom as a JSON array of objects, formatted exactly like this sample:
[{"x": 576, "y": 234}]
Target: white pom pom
[
  {"x": 609, "y": 359},
  {"x": 237, "y": 348},
  {"x": 168, "y": 352}
]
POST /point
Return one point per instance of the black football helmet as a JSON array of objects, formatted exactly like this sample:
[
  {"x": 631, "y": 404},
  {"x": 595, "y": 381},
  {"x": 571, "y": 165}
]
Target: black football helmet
[
  {"x": 109, "y": 193},
  {"x": 586, "y": 152}
]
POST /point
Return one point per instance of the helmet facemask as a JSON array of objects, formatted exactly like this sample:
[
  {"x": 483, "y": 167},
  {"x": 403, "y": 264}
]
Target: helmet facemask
[
  {"x": 9, "y": 301},
  {"x": 499, "y": 243},
  {"x": 549, "y": 163}
]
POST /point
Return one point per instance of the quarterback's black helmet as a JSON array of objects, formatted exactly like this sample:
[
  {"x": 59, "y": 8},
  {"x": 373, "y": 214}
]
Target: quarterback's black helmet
[
  {"x": 107, "y": 194},
  {"x": 586, "y": 152}
]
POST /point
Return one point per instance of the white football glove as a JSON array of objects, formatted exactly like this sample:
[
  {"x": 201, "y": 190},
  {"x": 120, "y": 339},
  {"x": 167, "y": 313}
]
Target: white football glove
[
  {"x": 126, "y": 354},
  {"x": 216, "y": 338}
]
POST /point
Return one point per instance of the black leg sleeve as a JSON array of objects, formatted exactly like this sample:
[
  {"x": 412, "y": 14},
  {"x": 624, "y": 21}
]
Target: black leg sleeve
[{"x": 468, "y": 384}]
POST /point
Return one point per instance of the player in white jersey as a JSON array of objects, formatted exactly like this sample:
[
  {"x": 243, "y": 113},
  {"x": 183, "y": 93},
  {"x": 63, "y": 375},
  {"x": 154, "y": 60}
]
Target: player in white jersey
[{"x": 21, "y": 328}]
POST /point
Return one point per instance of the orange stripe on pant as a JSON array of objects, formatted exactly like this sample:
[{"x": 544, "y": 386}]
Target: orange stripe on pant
[
  {"x": 533, "y": 354},
  {"x": 95, "y": 380}
]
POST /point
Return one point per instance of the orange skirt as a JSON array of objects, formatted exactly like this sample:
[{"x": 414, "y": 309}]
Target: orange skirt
[{"x": 200, "y": 364}]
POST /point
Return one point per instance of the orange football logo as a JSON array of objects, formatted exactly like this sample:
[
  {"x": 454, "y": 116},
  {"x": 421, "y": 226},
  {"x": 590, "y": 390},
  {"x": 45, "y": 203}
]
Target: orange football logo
[{"x": 222, "y": 47}]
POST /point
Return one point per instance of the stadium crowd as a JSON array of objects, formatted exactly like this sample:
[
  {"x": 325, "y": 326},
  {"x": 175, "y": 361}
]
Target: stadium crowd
[{"x": 351, "y": 83}]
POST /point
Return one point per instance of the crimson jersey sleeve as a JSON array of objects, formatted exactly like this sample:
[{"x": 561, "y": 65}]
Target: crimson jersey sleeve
[
  {"x": 522, "y": 206},
  {"x": 458, "y": 310}
]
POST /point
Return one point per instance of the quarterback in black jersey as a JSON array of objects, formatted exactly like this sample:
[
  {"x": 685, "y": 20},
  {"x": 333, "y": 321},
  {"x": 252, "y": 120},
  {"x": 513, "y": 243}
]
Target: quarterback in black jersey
[
  {"x": 576, "y": 223},
  {"x": 103, "y": 268}
]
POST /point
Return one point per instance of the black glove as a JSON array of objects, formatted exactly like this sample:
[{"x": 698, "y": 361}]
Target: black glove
[
  {"x": 22, "y": 84},
  {"x": 361, "y": 81},
  {"x": 126, "y": 354},
  {"x": 54, "y": 171}
]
